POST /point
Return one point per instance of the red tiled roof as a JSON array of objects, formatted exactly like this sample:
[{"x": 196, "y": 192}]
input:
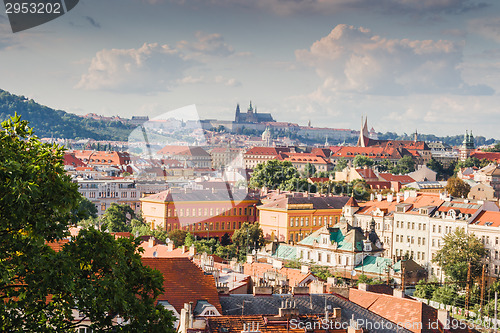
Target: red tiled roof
[
  {"x": 366, "y": 173},
  {"x": 257, "y": 269},
  {"x": 183, "y": 150},
  {"x": 184, "y": 282},
  {"x": 352, "y": 202},
  {"x": 488, "y": 217},
  {"x": 273, "y": 151},
  {"x": 305, "y": 158},
  {"x": 162, "y": 251},
  {"x": 71, "y": 159},
  {"x": 398, "y": 310},
  {"x": 403, "y": 179},
  {"x": 492, "y": 156},
  {"x": 58, "y": 245}
]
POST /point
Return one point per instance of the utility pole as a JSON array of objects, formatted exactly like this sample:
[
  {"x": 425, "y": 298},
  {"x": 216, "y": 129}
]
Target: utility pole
[
  {"x": 403, "y": 272},
  {"x": 482, "y": 291},
  {"x": 467, "y": 288},
  {"x": 496, "y": 300}
]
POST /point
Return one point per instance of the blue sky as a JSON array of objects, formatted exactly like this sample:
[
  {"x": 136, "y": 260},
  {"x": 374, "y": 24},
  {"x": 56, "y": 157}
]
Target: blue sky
[{"x": 430, "y": 65}]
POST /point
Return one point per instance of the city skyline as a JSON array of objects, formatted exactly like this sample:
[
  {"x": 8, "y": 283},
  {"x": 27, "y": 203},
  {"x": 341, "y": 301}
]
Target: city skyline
[{"x": 407, "y": 65}]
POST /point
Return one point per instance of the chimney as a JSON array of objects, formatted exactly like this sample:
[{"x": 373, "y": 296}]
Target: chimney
[
  {"x": 372, "y": 197},
  {"x": 390, "y": 197},
  {"x": 170, "y": 246},
  {"x": 406, "y": 195},
  {"x": 398, "y": 197},
  {"x": 183, "y": 248},
  {"x": 444, "y": 318},
  {"x": 151, "y": 241},
  {"x": 399, "y": 293},
  {"x": 379, "y": 197},
  {"x": 192, "y": 250},
  {"x": 304, "y": 269}
]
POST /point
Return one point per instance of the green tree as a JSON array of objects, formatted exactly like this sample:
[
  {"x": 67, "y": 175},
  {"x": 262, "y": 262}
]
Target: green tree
[
  {"x": 178, "y": 236},
  {"x": 225, "y": 239},
  {"x": 94, "y": 273},
  {"x": 359, "y": 189},
  {"x": 385, "y": 165},
  {"x": 405, "y": 165},
  {"x": 423, "y": 289},
  {"x": 248, "y": 237},
  {"x": 309, "y": 170},
  {"x": 85, "y": 209},
  {"x": 459, "y": 249},
  {"x": 274, "y": 174},
  {"x": 189, "y": 240},
  {"x": 436, "y": 166},
  {"x": 341, "y": 164},
  {"x": 447, "y": 294},
  {"x": 117, "y": 218},
  {"x": 227, "y": 252},
  {"x": 362, "y": 161},
  {"x": 456, "y": 187}
]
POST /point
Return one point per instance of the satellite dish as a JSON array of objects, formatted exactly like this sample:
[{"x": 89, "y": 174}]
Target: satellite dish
[{"x": 353, "y": 273}]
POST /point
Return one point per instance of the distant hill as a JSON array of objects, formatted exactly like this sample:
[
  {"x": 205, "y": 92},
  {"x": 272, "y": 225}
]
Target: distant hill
[{"x": 48, "y": 122}]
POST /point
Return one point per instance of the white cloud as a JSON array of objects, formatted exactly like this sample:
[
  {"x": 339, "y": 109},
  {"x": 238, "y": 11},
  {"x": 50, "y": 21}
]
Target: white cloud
[
  {"x": 207, "y": 44},
  {"x": 351, "y": 59},
  {"x": 191, "y": 80},
  {"x": 150, "y": 68},
  {"x": 228, "y": 82}
]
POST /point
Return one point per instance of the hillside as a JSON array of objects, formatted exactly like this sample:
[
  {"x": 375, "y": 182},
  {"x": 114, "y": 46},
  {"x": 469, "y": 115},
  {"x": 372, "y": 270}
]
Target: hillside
[{"x": 48, "y": 122}]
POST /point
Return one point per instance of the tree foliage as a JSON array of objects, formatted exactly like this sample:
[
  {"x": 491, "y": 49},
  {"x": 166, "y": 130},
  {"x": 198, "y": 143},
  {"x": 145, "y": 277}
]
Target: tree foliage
[
  {"x": 361, "y": 161},
  {"x": 56, "y": 123},
  {"x": 341, "y": 164},
  {"x": 118, "y": 218},
  {"x": 456, "y": 187},
  {"x": 403, "y": 166},
  {"x": 95, "y": 274},
  {"x": 248, "y": 237},
  {"x": 459, "y": 249},
  {"x": 177, "y": 236},
  {"x": 275, "y": 174},
  {"x": 309, "y": 170}
]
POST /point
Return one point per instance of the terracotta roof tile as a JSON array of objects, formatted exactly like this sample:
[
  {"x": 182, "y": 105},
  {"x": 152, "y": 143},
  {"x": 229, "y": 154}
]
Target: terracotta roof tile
[{"x": 184, "y": 282}]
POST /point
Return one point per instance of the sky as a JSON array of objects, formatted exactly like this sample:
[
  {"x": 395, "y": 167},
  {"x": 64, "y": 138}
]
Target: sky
[{"x": 426, "y": 65}]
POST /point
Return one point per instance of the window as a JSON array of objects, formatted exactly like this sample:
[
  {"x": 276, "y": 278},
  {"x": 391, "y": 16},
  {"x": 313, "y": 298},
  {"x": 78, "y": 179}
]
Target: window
[
  {"x": 319, "y": 256},
  {"x": 205, "y": 211},
  {"x": 420, "y": 226},
  {"x": 307, "y": 221},
  {"x": 413, "y": 225},
  {"x": 419, "y": 240},
  {"x": 314, "y": 220},
  {"x": 423, "y": 226},
  {"x": 423, "y": 256},
  {"x": 439, "y": 229},
  {"x": 301, "y": 221},
  {"x": 423, "y": 241},
  {"x": 328, "y": 257},
  {"x": 433, "y": 228},
  {"x": 291, "y": 222}
]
